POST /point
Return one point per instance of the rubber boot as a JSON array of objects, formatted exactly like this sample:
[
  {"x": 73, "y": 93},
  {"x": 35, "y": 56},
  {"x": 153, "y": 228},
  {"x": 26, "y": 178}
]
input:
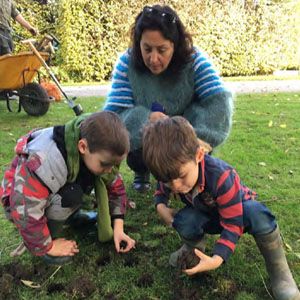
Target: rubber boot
[
  {"x": 56, "y": 260},
  {"x": 282, "y": 282},
  {"x": 83, "y": 218},
  {"x": 141, "y": 182},
  {"x": 187, "y": 246}
]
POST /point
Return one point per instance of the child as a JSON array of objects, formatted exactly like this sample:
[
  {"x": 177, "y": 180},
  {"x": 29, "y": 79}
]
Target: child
[
  {"x": 52, "y": 170},
  {"x": 216, "y": 202}
]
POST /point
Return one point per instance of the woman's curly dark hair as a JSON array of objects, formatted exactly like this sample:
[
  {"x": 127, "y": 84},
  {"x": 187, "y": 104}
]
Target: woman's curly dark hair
[{"x": 172, "y": 29}]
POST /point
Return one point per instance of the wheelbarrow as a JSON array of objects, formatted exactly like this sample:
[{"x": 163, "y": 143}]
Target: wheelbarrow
[{"x": 17, "y": 73}]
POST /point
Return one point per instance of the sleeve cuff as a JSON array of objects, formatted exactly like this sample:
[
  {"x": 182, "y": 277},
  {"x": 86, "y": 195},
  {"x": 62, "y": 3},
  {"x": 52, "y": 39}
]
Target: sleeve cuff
[
  {"x": 42, "y": 251},
  {"x": 117, "y": 217},
  {"x": 159, "y": 200},
  {"x": 222, "y": 250}
]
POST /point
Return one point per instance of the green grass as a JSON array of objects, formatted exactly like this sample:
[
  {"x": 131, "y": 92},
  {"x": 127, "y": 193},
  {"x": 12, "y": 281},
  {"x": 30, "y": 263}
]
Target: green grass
[{"x": 264, "y": 147}]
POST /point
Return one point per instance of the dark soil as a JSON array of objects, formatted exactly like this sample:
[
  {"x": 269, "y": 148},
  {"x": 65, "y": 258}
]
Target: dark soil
[
  {"x": 81, "y": 287},
  {"x": 146, "y": 280},
  {"x": 6, "y": 286},
  {"x": 188, "y": 260},
  {"x": 186, "y": 294},
  {"x": 55, "y": 288},
  {"x": 123, "y": 245},
  {"x": 12, "y": 274},
  {"x": 103, "y": 260},
  {"x": 110, "y": 296},
  {"x": 130, "y": 260}
]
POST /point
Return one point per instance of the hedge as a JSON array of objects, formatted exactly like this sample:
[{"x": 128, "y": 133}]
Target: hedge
[{"x": 242, "y": 37}]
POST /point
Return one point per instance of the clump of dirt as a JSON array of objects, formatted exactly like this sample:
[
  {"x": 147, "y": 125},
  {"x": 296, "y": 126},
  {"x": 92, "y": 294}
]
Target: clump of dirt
[
  {"x": 55, "y": 288},
  {"x": 188, "y": 260},
  {"x": 186, "y": 294},
  {"x": 41, "y": 271},
  {"x": 130, "y": 260},
  {"x": 146, "y": 280},
  {"x": 123, "y": 245},
  {"x": 6, "y": 286},
  {"x": 110, "y": 296},
  {"x": 103, "y": 260},
  {"x": 81, "y": 288},
  {"x": 10, "y": 276},
  {"x": 18, "y": 271}
]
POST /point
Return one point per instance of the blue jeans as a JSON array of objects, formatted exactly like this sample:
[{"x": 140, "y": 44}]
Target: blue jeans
[{"x": 192, "y": 223}]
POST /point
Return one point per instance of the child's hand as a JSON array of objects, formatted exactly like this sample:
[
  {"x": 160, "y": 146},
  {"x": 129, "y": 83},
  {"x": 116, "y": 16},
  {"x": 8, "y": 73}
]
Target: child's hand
[
  {"x": 206, "y": 263},
  {"x": 63, "y": 247},
  {"x": 154, "y": 116},
  {"x": 123, "y": 238}
]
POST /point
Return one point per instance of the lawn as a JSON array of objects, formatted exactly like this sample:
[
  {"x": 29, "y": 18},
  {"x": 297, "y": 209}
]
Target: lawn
[{"x": 264, "y": 147}]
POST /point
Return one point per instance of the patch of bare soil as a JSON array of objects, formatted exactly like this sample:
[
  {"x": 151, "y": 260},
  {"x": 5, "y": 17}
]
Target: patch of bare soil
[
  {"x": 185, "y": 293},
  {"x": 103, "y": 260},
  {"x": 12, "y": 274},
  {"x": 130, "y": 260},
  {"x": 110, "y": 296},
  {"x": 146, "y": 280},
  {"x": 55, "y": 288},
  {"x": 81, "y": 287}
]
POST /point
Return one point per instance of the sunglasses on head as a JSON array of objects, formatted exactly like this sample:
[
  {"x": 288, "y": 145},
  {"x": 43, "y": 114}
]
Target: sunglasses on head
[{"x": 148, "y": 11}]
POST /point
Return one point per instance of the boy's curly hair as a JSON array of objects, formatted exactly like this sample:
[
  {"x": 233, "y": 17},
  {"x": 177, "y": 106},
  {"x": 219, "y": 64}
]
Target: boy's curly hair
[{"x": 167, "y": 144}]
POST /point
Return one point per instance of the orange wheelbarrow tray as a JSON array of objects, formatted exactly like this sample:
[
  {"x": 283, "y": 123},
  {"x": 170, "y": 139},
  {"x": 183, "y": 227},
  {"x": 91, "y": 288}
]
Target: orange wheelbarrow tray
[{"x": 17, "y": 73}]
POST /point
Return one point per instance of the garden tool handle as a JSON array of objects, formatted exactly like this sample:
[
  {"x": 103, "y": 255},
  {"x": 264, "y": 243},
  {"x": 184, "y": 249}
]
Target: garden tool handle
[{"x": 34, "y": 50}]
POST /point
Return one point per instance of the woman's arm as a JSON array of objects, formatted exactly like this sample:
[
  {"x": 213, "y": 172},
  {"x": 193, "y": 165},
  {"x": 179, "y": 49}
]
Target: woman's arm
[{"x": 210, "y": 113}]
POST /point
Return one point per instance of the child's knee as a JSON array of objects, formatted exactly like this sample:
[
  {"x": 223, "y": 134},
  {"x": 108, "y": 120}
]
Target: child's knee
[
  {"x": 258, "y": 219},
  {"x": 187, "y": 224}
]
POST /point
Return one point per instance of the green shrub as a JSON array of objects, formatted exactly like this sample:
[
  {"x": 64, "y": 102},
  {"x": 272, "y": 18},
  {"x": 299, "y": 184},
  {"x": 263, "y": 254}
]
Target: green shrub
[{"x": 242, "y": 38}]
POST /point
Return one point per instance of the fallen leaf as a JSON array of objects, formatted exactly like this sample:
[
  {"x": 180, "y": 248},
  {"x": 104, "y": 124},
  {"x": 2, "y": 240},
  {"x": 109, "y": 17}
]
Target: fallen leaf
[
  {"x": 30, "y": 284},
  {"x": 288, "y": 246},
  {"x": 271, "y": 177},
  {"x": 270, "y": 123},
  {"x": 282, "y": 125},
  {"x": 263, "y": 164},
  {"x": 132, "y": 204}
]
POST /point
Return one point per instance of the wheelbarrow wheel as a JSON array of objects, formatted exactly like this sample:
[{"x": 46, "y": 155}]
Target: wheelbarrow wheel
[{"x": 34, "y": 99}]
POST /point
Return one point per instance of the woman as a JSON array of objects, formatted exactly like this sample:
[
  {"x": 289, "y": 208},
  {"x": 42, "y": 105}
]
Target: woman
[{"x": 162, "y": 75}]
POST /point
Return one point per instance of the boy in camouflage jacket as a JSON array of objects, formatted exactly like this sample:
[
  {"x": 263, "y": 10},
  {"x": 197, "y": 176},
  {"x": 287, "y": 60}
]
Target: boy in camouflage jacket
[{"x": 51, "y": 171}]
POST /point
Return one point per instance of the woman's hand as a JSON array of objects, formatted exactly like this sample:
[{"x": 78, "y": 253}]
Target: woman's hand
[
  {"x": 206, "y": 263},
  {"x": 156, "y": 115},
  {"x": 63, "y": 247}
]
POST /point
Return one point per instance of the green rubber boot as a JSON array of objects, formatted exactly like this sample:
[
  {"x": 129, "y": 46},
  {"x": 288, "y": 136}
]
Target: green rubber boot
[{"x": 282, "y": 281}]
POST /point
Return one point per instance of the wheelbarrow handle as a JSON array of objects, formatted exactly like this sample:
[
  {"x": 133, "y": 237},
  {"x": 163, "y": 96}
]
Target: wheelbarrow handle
[{"x": 76, "y": 108}]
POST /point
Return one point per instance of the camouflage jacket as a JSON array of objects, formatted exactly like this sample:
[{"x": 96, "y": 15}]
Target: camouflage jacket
[{"x": 36, "y": 174}]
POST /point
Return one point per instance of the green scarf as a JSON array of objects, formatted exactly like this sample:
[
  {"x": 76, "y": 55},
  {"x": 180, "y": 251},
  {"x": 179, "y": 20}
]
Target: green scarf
[{"x": 72, "y": 133}]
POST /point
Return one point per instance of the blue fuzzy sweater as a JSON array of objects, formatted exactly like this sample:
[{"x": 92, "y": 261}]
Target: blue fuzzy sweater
[{"x": 197, "y": 93}]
